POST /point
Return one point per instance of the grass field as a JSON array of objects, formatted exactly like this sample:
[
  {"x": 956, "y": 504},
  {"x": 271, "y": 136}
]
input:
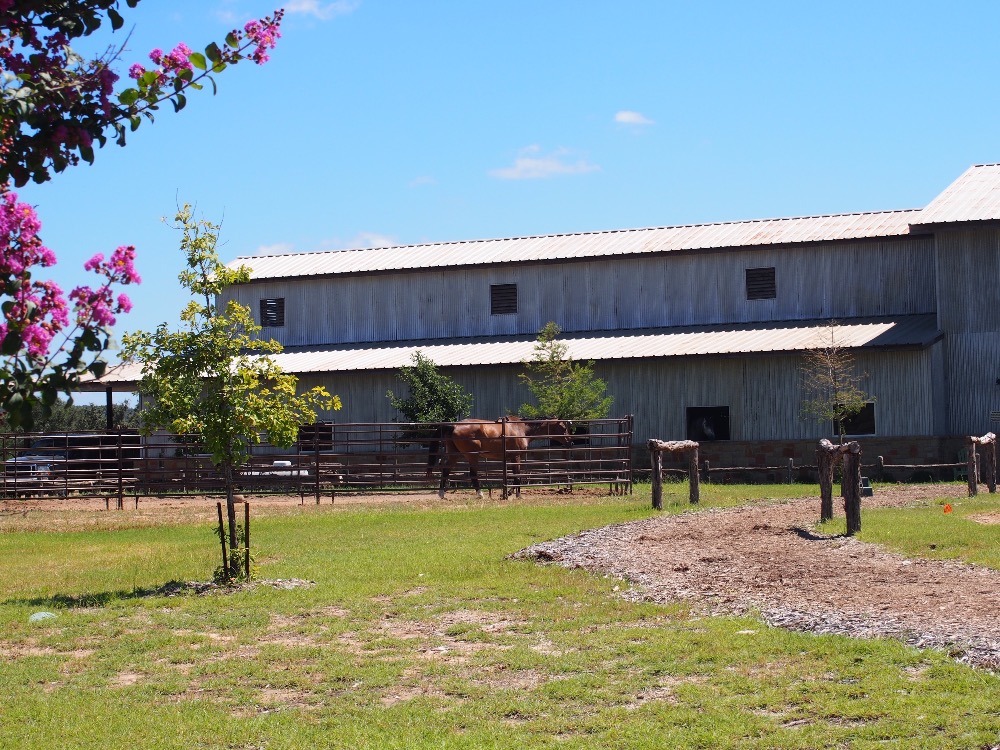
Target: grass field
[{"x": 416, "y": 631}]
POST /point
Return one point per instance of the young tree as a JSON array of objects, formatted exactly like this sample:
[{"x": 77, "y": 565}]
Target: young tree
[
  {"x": 563, "y": 388},
  {"x": 831, "y": 382},
  {"x": 433, "y": 397},
  {"x": 54, "y": 104},
  {"x": 214, "y": 377}
]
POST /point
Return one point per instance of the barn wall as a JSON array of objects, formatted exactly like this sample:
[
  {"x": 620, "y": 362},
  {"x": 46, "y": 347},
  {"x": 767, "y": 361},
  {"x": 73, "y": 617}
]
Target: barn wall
[
  {"x": 968, "y": 270},
  {"x": 841, "y": 280},
  {"x": 763, "y": 393}
]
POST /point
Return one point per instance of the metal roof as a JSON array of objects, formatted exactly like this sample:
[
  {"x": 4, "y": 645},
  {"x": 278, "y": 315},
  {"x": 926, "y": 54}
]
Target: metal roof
[
  {"x": 792, "y": 336},
  {"x": 582, "y": 245},
  {"x": 974, "y": 196}
]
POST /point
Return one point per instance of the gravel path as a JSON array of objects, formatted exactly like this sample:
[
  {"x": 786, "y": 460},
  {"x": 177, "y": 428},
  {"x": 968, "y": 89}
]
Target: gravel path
[{"x": 764, "y": 559}]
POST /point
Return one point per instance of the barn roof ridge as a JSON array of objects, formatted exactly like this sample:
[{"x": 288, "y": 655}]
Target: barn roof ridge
[{"x": 586, "y": 233}]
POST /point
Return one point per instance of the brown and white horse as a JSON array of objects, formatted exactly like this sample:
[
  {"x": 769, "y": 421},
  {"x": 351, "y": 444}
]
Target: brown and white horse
[{"x": 506, "y": 439}]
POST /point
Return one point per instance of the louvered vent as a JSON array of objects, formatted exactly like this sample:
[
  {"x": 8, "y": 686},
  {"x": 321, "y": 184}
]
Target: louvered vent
[
  {"x": 760, "y": 283},
  {"x": 503, "y": 299},
  {"x": 272, "y": 312}
]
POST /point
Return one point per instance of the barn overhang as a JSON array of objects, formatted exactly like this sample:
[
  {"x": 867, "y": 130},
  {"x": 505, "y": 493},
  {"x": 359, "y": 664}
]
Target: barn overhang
[{"x": 897, "y": 332}]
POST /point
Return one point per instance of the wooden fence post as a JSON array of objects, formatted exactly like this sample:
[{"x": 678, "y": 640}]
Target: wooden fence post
[
  {"x": 972, "y": 467},
  {"x": 656, "y": 450},
  {"x": 694, "y": 486},
  {"x": 989, "y": 468},
  {"x": 851, "y": 487},
  {"x": 656, "y": 462},
  {"x": 826, "y": 458},
  {"x": 990, "y": 462}
]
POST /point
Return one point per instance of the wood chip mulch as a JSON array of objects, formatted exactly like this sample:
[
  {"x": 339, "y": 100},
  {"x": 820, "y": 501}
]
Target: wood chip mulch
[{"x": 766, "y": 560}]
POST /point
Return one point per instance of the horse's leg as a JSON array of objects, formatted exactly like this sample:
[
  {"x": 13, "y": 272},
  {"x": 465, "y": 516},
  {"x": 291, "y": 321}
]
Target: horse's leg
[
  {"x": 474, "y": 474},
  {"x": 446, "y": 464}
]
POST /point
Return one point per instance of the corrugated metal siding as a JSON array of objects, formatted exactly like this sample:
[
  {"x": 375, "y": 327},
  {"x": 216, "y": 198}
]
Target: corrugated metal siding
[
  {"x": 968, "y": 271},
  {"x": 583, "y": 245},
  {"x": 974, "y": 196},
  {"x": 973, "y": 369},
  {"x": 763, "y": 394},
  {"x": 839, "y": 281}
]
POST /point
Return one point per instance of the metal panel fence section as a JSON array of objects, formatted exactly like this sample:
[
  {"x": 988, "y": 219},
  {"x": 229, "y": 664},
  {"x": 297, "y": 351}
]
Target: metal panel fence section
[{"x": 328, "y": 458}]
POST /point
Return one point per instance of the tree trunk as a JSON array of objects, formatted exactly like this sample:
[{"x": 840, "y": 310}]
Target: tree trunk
[{"x": 227, "y": 475}]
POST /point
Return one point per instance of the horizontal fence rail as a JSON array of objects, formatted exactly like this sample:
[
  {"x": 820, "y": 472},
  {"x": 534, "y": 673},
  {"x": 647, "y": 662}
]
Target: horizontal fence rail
[
  {"x": 327, "y": 459},
  {"x": 793, "y": 472}
]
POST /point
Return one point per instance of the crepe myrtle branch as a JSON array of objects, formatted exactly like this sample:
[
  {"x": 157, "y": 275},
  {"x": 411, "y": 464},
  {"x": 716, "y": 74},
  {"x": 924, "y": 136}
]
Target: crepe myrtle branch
[{"x": 54, "y": 104}]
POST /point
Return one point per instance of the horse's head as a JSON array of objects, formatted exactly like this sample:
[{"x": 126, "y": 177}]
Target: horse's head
[{"x": 561, "y": 430}]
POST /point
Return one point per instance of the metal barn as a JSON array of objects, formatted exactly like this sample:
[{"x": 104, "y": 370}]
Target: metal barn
[{"x": 698, "y": 330}]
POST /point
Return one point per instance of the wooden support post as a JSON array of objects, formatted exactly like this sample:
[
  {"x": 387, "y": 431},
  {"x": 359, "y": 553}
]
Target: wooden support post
[
  {"x": 694, "y": 486},
  {"x": 988, "y": 474},
  {"x": 791, "y": 469},
  {"x": 656, "y": 462},
  {"x": 827, "y": 456},
  {"x": 972, "y": 467},
  {"x": 990, "y": 464},
  {"x": 688, "y": 447},
  {"x": 851, "y": 487}
]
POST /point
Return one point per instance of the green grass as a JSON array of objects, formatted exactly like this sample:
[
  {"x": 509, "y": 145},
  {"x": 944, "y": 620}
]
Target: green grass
[
  {"x": 419, "y": 632},
  {"x": 927, "y": 531}
]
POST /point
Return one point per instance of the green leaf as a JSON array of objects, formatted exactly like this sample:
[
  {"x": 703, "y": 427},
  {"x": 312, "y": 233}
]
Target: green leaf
[
  {"x": 232, "y": 41},
  {"x": 11, "y": 344},
  {"x": 213, "y": 53},
  {"x": 87, "y": 153},
  {"x": 179, "y": 101},
  {"x": 116, "y": 20},
  {"x": 129, "y": 97},
  {"x": 198, "y": 60}
]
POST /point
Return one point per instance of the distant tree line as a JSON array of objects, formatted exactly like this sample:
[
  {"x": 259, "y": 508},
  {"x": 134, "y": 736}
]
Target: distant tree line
[{"x": 66, "y": 417}]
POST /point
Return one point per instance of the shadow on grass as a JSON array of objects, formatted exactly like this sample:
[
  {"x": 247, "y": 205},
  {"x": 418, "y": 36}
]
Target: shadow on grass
[{"x": 104, "y": 598}]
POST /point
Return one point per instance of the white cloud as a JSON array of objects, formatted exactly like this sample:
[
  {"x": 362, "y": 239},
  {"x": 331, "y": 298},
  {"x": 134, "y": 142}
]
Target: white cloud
[
  {"x": 278, "y": 248},
  {"x": 532, "y": 164},
  {"x": 361, "y": 240},
  {"x": 422, "y": 180},
  {"x": 628, "y": 117},
  {"x": 358, "y": 241},
  {"x": 322, "y": 11}
]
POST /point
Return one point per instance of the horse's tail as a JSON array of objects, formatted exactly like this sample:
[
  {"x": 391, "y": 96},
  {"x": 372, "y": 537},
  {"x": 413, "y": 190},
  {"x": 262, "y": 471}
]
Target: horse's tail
[{"x": 438, "y": 443}]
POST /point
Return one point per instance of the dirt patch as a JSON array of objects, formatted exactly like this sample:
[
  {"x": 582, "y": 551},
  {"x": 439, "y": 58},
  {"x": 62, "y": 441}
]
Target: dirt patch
[{"x": 764, "y": 559}]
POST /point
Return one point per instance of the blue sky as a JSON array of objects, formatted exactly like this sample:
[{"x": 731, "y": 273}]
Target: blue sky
[{"x": 388, "y": 121}]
